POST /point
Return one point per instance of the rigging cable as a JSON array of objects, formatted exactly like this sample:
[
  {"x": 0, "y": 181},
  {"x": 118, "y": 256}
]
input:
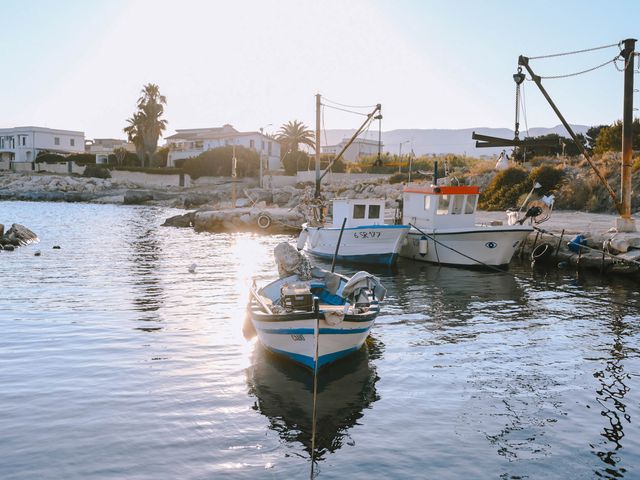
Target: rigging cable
[
  {"x": 345, "y": 110},
  {"x": 566, "y": 75},
  {"x": 574, "y": 52},
  {"x": 347, "y": 106},
  {"x": 524, "y": 110}
]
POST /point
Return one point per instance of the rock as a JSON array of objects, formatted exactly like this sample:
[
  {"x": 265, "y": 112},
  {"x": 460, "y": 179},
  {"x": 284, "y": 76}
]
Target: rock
[
  {"x": 136, "y": 197},
  {"x": 18, "y": 235},
  {"x": 197, "y": 199},
  {"x": 179, "y": 221},
  {"x": 37, "y": 253},
  {"x": 9, "y": 248},
  {"x": 56, "y": 247},
  {"x": 1, "y": 230}
]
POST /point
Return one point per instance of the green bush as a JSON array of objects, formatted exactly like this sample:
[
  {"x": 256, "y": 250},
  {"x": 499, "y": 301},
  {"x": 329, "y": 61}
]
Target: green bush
[
  {"x": 130, "y": 159},
  {"x": 46, "y": 157},
  {"x": 217, "y": 163},
  {"x": 82, "y": 158},
  {"x": 505, "y": 189},
  {"x": 97, "y": 171},
  {"x": 294, "y": 162},
  {"x": 151, "y": 170},
  {"x": 549, "y": 177}
]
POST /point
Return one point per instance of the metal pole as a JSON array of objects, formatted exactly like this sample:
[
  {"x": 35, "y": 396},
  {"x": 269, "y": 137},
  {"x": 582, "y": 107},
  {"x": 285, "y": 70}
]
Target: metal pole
[
  {"x": 524, "y": 61},
  {"x": 318, "y": 105},
  {"x": 335, "y": 255},
  {"x": 626, "y": 222}
]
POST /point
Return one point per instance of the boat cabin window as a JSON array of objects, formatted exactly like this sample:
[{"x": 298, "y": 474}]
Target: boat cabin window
[
  {"x": 443, "y": 205},
  {"x": 458, "y": 202},
  {"x": 358, "y": 211},
  {"x": 374, "y": 211},
  {"x": 470, "y": 205}
]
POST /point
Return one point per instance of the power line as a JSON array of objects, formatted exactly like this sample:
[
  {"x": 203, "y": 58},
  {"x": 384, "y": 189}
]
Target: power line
[
  {"x": 345, "y": 110},
  {"x": 347, "y": 106},
  {"x": 566, "y": 75}
]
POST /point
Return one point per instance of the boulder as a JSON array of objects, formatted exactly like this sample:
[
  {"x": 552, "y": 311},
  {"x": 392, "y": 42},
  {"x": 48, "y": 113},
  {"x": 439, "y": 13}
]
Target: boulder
[
  {"x": 1, "y": 229},
  {"x": 136, "y": 197},
  {"x": 18, "y": 235},
  {"x": 180, "y": 221}
]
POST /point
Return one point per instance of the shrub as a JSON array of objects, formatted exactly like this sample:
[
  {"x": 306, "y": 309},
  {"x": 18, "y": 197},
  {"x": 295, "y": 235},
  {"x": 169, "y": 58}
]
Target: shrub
[
  {"x": 399, "y": 178},
  {"x": 505, "y": 189},
  {"x": 46, "y": 157},
  {"x": 82, "y": 158},
  {"x": 294, "y": 162},
  {"x": 151, "y": 170},
  {"x": 217, "y": 163},
  {"x": 549, "y": 177},
  {"x": 97, "y": 171},
  {"x": 130, "y": 159}
]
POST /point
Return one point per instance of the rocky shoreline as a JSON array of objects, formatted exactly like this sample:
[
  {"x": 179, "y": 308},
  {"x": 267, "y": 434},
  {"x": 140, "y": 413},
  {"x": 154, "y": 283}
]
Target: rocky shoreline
[{"x": 18, "y": 235}]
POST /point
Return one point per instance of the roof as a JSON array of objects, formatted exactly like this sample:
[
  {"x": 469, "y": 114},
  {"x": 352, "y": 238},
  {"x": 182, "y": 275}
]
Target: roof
[
  {"x": 227, "y": 131},
  {"x": 443, "y": 190}
]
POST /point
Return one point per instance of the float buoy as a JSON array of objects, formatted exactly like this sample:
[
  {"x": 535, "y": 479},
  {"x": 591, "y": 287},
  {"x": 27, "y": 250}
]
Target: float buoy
[
  {"x": 423, "y": 246},
  {"x": 264, "y": 221}
]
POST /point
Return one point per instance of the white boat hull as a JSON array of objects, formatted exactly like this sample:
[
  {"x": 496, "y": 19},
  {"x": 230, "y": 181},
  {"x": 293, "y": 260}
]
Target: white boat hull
[
  {"x": 477, "y": 246},
  {"x": 295, "y": 339},
  {"x": 372, "y": 244}
]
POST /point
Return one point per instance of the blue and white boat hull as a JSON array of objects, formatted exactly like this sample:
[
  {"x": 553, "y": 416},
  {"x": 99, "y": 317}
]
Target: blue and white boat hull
[{"x": 370, "y": 244}]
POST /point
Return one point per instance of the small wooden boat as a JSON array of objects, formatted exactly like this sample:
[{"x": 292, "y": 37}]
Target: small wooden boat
[
  {"x": 317, "y": 317},
  {"x": 358, "y": 226}
]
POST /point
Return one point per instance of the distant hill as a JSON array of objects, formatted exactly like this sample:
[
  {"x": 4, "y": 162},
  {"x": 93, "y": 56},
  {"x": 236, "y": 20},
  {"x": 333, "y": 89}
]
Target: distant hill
[{"x": 440, "y": 141}]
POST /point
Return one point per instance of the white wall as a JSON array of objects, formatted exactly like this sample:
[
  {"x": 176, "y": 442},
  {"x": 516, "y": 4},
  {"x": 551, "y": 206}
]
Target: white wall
[
  {"x": 60, "y": 168},
  {"x": 150, "y": 179},
  {"x": 341, "y": 177}
]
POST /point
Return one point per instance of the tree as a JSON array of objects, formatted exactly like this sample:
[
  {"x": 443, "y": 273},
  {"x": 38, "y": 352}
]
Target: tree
[
  {"x": 146, "y": 125},
  {"x": 134, "y": 134},
  {"x": 294, "y": 133},
  {"x": 592, "y": 135},
  {"x": 610, "y": 137},
  {"x": 120, "y": 153}
]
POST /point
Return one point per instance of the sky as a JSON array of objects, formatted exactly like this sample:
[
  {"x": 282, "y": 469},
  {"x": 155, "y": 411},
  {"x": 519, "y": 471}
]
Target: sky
[{"x": 80, "y": 65}]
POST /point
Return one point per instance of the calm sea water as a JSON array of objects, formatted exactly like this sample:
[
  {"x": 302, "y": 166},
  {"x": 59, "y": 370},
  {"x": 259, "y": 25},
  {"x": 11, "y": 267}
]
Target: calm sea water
[{"x": 117, "y": 362}]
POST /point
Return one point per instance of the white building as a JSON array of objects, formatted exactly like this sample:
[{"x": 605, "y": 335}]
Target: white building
[
  {"x": 21, "y": 145},
  {"x": 192, "y": 142},
  {"x": 360, "y": 147},
  {"x": 103, "y": 147}
]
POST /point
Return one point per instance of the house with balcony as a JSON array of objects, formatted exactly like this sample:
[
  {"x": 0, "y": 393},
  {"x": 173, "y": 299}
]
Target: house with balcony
[
  {"x": 19, "y": 146},
  {"x": 103, "y": 147},
  {"x": 186, "y": 143},
  {"x": 361, "y": 147}
]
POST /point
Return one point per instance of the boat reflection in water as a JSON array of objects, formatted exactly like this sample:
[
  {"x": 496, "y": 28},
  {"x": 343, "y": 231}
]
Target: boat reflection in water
[{"x": 284, "y": 393}]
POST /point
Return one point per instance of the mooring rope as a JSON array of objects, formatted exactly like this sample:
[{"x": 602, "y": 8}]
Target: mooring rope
[{"x": 552, "y": 287}]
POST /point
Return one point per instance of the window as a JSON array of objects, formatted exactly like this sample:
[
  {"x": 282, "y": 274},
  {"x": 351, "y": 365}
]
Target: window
[
  {"x": 470, "y": 206},
  {"x": 358, "y": 211},
  {"x": 458, "y": 201},
  {"x": 374, "y": 211},
  {"x": 72, "y": 142},
  {"x": 262, "y": 145},
  {"x": 269, "y": 148},
  {"x": 56, "y": 140},
  {"x": 252, "y": 144},
  {"x": 23, "y": 141},
  {"x": 443, "y": 205},
  {"x": 427, "y": 202}
]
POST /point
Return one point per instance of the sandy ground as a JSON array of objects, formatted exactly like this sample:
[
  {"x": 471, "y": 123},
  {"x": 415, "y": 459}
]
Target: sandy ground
[{"x": 571, "y": 221}]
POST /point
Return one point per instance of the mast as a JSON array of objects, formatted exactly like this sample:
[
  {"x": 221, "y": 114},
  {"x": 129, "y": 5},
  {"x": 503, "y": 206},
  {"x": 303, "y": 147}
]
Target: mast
[
  {"x": 625, "y": 223},
  {"x": 318, "y": 105}
]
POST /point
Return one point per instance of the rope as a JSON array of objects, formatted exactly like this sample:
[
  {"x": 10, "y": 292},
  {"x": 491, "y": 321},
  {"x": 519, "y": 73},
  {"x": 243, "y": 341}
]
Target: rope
[
  {"x": 635, "y": 262},
  {"x": 553, "y": 77},
  {"x": 575, "y": 52},
  {"x": 345, "y": 110},
  {"x": 524, "y": 110},
  {"x": 348, "y": 106},
  {"x": 552, "y": 287}
]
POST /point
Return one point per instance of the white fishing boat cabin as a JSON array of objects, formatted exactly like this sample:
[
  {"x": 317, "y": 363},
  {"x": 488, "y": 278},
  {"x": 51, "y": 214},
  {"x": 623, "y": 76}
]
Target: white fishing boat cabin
[
  {"x": 434, "y": 207},
  {"x": 358, "y": 212}
]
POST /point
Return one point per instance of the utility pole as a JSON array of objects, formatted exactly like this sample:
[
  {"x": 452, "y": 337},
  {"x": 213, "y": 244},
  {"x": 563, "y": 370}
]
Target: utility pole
[
  {"x": 625, "y": 223},
  {"x": 318, "y": 105}
]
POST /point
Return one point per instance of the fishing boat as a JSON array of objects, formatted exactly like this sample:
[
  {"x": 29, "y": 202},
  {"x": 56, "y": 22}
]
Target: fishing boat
[
  {"x": 444, "y": 229},
  {"x": 310, "y": 315},
  {"x": 358, "y": 227}
]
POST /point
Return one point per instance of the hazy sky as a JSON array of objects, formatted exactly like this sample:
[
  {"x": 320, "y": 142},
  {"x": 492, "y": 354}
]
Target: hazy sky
[{"x": 431, "y": 64}]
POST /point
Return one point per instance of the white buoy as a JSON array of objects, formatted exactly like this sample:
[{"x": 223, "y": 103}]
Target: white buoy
[
  {"x": 423, "y": 246},
  {"x": 192, "y": 268}
]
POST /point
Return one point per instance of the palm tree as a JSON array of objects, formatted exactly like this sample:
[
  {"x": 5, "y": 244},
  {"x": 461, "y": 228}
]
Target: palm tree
[
  {"x": 292, "y": 134},
  {"x": 134, "y": 134},
  {"x": 150, "y": 110}
]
